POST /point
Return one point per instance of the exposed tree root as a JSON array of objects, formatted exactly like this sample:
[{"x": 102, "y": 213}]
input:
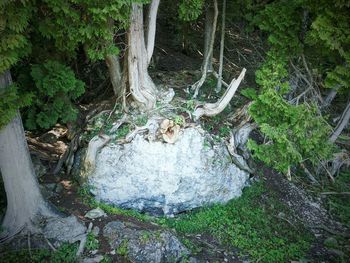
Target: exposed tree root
[
  {"x": 212, "y": 109},
  {"x": 94, "y": 146}
]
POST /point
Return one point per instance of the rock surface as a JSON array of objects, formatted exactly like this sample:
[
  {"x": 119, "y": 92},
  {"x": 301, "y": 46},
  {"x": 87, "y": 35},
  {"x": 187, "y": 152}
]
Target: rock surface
[
  {"x": 95, "y": 213},
  {"x": 143, "y": 246},
  {"x": 165, "y": 179},
  {"x": 64, "y": 229}
]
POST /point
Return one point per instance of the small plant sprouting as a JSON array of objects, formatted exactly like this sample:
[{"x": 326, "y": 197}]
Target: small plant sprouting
[{"x": 122, "y": 250}]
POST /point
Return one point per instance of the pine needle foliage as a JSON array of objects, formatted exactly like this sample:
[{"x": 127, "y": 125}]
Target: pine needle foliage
[
  {"x": 14, "y": 19},
  {"x": 10, "y": 101},
  {"x": 55, "y": 88},
  {"x": 295, "y": 133},
  {"x": 190, "y": 10},
  {"x": 92, "y": 24}
]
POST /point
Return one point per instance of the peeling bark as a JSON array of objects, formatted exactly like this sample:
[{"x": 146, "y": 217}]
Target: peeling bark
[
  {"x": 212, "y": 109},
  {"x": 141, "y": 85}
]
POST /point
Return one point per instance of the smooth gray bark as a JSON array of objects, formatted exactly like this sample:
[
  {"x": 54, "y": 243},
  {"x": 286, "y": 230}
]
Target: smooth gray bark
[
  {"x": 151, "y": 28},
  {"x": 344, "y": 120},
  {"x": 24, "y": 200}
]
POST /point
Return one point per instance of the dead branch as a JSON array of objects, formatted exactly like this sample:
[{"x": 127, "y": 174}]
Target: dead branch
[{"x": 212, "y": 109}]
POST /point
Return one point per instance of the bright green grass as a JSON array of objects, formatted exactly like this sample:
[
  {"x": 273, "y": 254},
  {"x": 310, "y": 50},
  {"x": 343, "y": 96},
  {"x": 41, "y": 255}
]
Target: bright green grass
[
  {"x": 65, "y": 254},
  {"x": 250, "y": 224}
]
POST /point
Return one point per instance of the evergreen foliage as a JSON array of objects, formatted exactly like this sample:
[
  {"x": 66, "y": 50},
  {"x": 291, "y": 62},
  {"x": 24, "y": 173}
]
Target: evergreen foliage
[
  {"x": 92, "y": 24},
  {"x": 55, "y": 87},
  {"x": 10, "y": 101},
  {"x": 190, "y": 10},
  {"x": 14, "y": 45},
  {"x": 14, "y": 19},
  {"x": 298, "y": 133}
]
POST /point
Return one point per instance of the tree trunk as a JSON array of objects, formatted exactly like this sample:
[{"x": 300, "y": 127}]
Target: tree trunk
[
  {"x": 330, "y": 97},
  {"x": 141, "y": 85},
  {"x": 209, "y": 21},
  {"x": 24, "y": 199},
  {"x": 151, "y": 28},
  {"x": 344, "y": 120},
  {"x": 200, "y": 82},
  {"x": 222, "y": 46},
  {"x": 115, "y": 75}
]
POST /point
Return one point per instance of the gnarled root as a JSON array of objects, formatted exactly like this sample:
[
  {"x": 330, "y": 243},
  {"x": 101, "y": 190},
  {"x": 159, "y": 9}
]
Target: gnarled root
[
  {"x": 238, "y": 140},
  {"x": 94, "y": 146},
  {"x": 212, "y": 109}
]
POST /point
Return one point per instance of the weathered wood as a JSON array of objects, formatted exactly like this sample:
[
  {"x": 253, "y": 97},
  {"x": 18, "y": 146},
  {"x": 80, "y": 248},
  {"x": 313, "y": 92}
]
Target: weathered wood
[
  {"x": 141, "y": 85},
  {"x": 212, "y": 109}
]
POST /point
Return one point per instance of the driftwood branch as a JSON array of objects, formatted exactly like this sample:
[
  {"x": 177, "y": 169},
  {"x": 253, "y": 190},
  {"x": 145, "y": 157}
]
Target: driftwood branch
[{"x": 212, "y": 109}]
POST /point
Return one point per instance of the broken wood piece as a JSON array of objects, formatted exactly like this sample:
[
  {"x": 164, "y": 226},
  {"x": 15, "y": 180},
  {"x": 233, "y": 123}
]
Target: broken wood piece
[
  {"x": 170, "y": 131},
  {"x": 212, "y": 109}
]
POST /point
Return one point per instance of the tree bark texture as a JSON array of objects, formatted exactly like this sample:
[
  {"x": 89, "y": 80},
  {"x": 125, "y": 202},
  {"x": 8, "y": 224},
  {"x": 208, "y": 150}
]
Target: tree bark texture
[
  {"x": 115, "y": 75},
  {"x": 200, "y": 82},
  {"x": 222, "y": 46},
  {"x": 24, "y": 199},
  {"x": 141, "y": 85},
  {"x": 208, "y": 30}
]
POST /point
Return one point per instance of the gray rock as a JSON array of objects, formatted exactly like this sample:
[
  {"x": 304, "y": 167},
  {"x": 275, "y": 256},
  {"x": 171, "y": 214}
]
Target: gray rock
[
  {"x": 63, "y": 229},
  {"x": 96, "y": 259},
  {"x": 144, "y": 246},
  {"x": 95, "y": 213},
  {"x": 160, "y": 178}
]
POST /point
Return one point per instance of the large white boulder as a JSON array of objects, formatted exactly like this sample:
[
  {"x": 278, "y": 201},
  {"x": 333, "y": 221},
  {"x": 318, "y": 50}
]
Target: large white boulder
[{"x": 161, "y": 178}]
